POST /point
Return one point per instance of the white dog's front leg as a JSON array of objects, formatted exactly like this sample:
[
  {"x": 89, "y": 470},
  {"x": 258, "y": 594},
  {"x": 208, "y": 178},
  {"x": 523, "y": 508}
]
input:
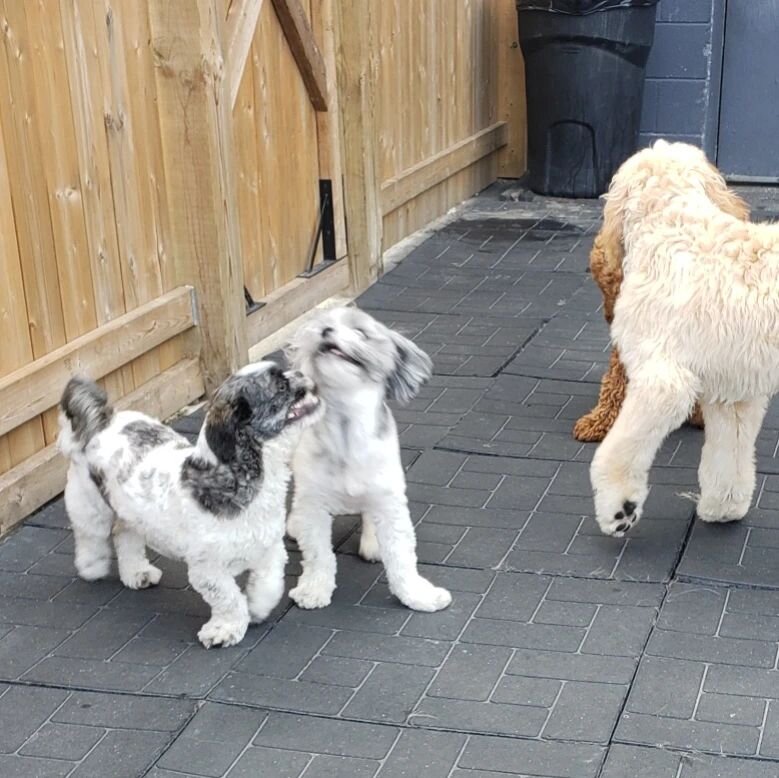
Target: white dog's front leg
[
  {"x": 265, "y": 586},
  {"x": 397, "y": 548},
  {"x": 229, "y": 609},
  {"x": 313, "y": 531},
  {"x": 620, "y": 468},
  {"x": 727, "y": 469},
  {"x": 135, "y": 570}
]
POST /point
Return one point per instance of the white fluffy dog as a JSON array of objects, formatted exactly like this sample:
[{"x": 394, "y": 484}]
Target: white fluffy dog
[
  {"x": 219, "y": 505},
  {"x": 697, "y": 317},
  {"x": 349, "y": 462}
]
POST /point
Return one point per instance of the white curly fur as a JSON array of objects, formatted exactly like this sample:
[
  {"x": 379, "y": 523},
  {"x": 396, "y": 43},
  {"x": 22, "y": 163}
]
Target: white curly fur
[
  {"x": 349, "y": 462},
  {"x": 697, "y": 317}
]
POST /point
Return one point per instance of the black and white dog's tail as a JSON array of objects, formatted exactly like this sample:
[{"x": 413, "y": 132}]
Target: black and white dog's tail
[{"x": 84, "y": 412}]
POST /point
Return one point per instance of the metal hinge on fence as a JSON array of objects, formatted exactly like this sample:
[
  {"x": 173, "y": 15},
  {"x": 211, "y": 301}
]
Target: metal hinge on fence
[{"x": 325, "y": 231}]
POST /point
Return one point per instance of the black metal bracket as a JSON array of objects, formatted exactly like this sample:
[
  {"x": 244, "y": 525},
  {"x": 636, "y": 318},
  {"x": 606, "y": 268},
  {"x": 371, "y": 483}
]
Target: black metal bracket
[
  {"x": 251, "y": 304},
  {"x": 325, "y": 231}
]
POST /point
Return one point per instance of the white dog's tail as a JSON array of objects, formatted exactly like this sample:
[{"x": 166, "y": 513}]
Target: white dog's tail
[{"x": 84, "y": 412}]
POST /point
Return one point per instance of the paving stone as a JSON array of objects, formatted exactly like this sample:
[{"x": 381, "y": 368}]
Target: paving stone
[
  {"x": 123, "y": 754},
  {"x": 431, "y": 754},
  {"x": 326, "y": 736},
  {"x": 380, "y": 648},
  {"x": 739, "y": 552},
  {"x": 23, "y": 647},
  {"x": 285, "y": 651},
  {"x": 470, "y": 672},
  {"x": 12, "y": 766},
  {"x": 91, "y": 674},
  {"x": 532, "y": 757},
  {"x": 634, "y": 762},
  {"x": 23, "y": 710},
  {"x": 323, "y": 766},
  {"x": 585, "y": 711},
  {"x": 389, "y": 694},
  {"x": 62, "y": 741},
  {"x": 280, "y": 694},
  {"x": 23, "y": 548},
  {"x": 337, "y": 670},
  {"x": 264, "y": 761}
]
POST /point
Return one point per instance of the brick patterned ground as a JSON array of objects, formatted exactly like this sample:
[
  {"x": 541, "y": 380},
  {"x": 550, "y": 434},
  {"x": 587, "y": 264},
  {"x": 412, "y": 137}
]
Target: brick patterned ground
[{"x": 565, "y": 654}]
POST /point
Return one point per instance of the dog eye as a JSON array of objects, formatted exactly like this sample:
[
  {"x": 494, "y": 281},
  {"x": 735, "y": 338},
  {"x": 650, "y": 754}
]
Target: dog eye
[{"x": 362, "y": 332}]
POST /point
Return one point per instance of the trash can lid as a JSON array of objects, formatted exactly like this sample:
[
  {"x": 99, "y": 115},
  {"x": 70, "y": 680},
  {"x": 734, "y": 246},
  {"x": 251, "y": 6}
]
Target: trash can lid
[{"x": 580, "y": 7}]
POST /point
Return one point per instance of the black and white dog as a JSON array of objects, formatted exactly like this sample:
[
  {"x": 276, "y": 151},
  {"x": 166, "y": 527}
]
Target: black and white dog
[
  {"x": 349, "y": 461},
  {"x": 219, "y": 505}
]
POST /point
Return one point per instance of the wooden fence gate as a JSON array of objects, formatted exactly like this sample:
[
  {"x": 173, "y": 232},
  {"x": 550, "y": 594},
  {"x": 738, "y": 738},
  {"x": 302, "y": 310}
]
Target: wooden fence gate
[{"x": 180, "y": 178}]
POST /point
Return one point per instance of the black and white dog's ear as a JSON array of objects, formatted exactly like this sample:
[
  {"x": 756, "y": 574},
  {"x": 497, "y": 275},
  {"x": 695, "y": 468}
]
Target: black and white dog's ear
[
  {"x": 226, "y": 415},
  {"x": 412, "y": 370}
]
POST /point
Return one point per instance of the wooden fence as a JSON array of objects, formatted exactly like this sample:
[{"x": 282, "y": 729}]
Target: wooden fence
[{"x": 165, "y": 167}]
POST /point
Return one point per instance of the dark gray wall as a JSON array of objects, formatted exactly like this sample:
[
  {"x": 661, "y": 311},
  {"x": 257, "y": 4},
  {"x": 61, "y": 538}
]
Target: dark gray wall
[{"x": 681, "y": 94}]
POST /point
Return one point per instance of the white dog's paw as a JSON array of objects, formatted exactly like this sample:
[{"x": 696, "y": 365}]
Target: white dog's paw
[
  {"x": 142, "y": 578},
  {"x": 312, "y": 593},
  {"x": 616, "y": 514},
  {"x": 723, "y": 508},
  {"x": 222, "y": 632},
  {"x": 95, "y": 569},
  {"x": 424, "y": 596},
  {"x": 369, "y": 548}
]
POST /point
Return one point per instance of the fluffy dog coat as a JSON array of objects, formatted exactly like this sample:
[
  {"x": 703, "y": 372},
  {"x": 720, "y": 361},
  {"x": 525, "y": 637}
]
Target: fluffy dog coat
[
  {"x": 606, "y": 260},
  {"x": 349, "y": 462},
  {"x": 697, "y": 317},
  {"x": 219, "y": 505}
]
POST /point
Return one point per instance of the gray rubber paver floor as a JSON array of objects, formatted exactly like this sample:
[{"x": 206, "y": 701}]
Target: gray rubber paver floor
[{"x": 565, "y": 654}]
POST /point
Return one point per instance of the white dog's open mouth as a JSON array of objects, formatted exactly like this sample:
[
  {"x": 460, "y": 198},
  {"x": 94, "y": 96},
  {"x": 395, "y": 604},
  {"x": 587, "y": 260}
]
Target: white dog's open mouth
[
  {"x": 303, "y": 408},
  {"x": 331, "y": 348}
]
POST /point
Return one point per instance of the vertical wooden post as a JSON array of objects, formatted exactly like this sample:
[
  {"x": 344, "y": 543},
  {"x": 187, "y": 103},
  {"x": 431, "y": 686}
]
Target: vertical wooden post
[
  {"x": 356, "y": 49},
  {"x": 195, "y": 121}
]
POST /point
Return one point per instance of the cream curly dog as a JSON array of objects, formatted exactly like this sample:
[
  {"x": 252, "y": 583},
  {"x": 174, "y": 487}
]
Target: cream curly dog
[
  {"x": 697, "y": 317},
  {"x": 606, "y": 267}
]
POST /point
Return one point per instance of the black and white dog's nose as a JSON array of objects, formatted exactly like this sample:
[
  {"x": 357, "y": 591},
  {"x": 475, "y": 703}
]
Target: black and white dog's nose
[{"x": 327, "y": 331}]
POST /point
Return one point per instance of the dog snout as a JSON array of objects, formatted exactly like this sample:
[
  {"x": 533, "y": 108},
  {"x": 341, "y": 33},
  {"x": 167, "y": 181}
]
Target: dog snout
[{"x": 327, "y": 332}]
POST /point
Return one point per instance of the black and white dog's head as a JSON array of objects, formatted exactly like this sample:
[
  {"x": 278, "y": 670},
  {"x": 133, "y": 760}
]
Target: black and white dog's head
[
  {"x": 258, "y": 404},
  {"x": 345, "y": 349}
]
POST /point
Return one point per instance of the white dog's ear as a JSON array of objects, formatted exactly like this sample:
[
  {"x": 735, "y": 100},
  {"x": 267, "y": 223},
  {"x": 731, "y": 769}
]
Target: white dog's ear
[{"x": 413, "y": 368}]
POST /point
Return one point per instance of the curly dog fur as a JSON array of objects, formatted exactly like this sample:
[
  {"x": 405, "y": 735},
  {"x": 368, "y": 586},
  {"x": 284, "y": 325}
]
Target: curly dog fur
[
  {"x": 695, "y": 320},
  {"x": 606, "y": 259}
]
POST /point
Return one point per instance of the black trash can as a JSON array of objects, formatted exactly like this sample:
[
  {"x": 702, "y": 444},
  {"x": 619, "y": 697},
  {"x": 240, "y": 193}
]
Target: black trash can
[{"x": 584, "y": 79}]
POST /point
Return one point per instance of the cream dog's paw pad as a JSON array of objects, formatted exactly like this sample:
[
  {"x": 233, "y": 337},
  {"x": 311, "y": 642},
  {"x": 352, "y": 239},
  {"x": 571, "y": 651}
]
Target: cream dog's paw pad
[{"x": 617, "y": 520}]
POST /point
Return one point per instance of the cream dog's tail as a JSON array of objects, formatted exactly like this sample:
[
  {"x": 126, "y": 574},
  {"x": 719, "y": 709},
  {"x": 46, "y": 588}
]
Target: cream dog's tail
[{"x": 84, "y": 412}]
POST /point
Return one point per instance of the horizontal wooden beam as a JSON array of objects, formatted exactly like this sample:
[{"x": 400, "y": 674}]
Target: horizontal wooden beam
[
  {"x": 240, "y": 27},
  {"x": 36, "y": 387},
  {"x": 415, "y": 180},
  {"x": 302, "y": 44},
  {"x": 34, "y": 482},
  {"x": 294, "y": 299}
]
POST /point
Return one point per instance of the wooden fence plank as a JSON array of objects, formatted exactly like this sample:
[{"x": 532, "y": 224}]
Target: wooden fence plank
[
  {"x": 42, "y": 477},
  {"x": 433, "y": 170},
  {"x": 195, "y": 121},
  {"x": 36, "y": 387},
  {"x": 297, "y": 30},
  {"x": 353, "y": 22},
  {"x": 295, "y": 298},
  {"x": 240, "y": 28}
]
